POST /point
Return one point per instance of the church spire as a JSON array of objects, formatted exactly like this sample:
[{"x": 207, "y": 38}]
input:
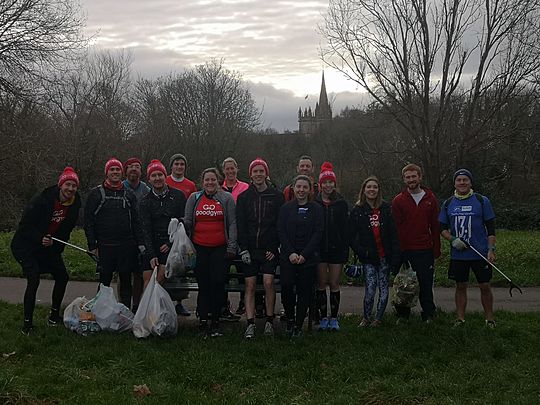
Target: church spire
[{"x": 324, "y": 107}]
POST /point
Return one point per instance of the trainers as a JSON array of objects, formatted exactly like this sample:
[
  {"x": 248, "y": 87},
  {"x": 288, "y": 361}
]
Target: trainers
[
  {"x": 323, "y": 325},
  {"x": 27, "y": 329},
  {"x": 54, "y": 319},
  {"x": 333, "y": 325},
  {"x": 182, "y": 310},
  {"x": 459, "y": 322},
  {"x": 297, "y": 333},
  {"x": 214, "y": 331},
  {"x": 363, "y": 323},
  {"x": 268, "y": 329},
  {"x": 491, "y": 324},
  {"x": 241, "y": 310},
  {"x": 250, "y": 331},
  {"x": 228, "y": 316},
  {"x": 376, "y": 323}
]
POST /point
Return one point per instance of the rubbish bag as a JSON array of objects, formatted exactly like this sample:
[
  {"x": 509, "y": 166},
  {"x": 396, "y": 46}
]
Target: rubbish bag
[
  {"x": 110, "y": 314},
  {"x": 182, "y": 254},
  {"x": 156, "y": 314},
  {"x": 79, "y": 319},
  {"x": 405, "y": 288}
]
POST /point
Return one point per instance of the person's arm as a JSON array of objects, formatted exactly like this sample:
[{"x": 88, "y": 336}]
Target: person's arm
[
  {"x": 90, "y": 219},
  {"x": 286, "y": 247},
  {"x": 146, "y": 224},
  {"x": 232, "y": 245},
  {"x": 395, "y": 260},
  {"x": 242, "y": 223},
  {"x": 136, "y": 225},
  {"x": 435, "y": 228},
  {"x": 188, "y": 215},
  {"x": 28, "y": 225}
]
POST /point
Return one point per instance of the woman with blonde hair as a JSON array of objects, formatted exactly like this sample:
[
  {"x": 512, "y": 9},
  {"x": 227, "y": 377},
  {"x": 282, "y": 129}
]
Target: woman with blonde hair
[{"x": 374, "y": 240}]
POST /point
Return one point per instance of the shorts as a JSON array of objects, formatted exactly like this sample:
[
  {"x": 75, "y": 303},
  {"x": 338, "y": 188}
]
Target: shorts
[
  {"x": 459, "y": 271},
  {"x": 121, "y": 259},
  {"x": 259, "y": 264}
]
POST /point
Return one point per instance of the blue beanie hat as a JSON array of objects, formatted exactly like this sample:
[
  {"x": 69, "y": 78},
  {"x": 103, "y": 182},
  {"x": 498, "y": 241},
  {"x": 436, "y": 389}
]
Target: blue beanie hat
[{"x": 463, "y": 172}]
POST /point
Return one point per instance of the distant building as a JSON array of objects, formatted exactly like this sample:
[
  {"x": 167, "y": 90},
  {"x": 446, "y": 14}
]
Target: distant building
[{"x": 313, "y": 122}]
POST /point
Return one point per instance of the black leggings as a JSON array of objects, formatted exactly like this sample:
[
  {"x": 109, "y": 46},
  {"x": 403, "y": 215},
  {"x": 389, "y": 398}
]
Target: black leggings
[
  {"x": 41, "y": 263},
  {"x": 122, "y": 259},
  {"x": 301, "y": 277},
  {"x": 210, "y": 271}
]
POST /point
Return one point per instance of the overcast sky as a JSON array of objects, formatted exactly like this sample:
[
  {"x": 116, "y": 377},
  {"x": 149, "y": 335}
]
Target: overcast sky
[{"x": 273, "y": 44}]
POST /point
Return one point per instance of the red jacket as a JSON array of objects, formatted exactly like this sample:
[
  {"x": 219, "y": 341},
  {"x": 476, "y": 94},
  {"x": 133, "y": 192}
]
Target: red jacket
[{"x": 417, "y": 226}]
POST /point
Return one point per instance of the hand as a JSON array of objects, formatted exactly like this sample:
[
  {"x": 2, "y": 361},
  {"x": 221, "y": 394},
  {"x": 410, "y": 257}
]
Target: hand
[
  {"x": 246, "y": 257},
  {"x": 458, "y": 244},
  {"x": 154, "y": 262},
  {"x": 269, "y": 256},
  {"x": 491, "y": 256},
  {"x": 230, "y": 255},
  {"x": 301, "y": 259},
  {"x": 164, "y": 248},
  {"x": 142, "y": 249},
  {"x": 95, "y": 252},
  {"x": 293, "y": 258},
  {"x": 47, "y": 241}
]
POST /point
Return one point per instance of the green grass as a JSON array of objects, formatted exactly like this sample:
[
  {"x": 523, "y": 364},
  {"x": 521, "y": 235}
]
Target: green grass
[
  {"x": 414, "y": 364},
  {"x": 518, "y": 255}
]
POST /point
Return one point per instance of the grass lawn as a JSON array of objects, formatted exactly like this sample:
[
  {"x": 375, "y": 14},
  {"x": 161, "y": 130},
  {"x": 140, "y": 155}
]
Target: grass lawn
[
  {"x": 518, "y": 255},
  {"x": 412, "y": 364}
]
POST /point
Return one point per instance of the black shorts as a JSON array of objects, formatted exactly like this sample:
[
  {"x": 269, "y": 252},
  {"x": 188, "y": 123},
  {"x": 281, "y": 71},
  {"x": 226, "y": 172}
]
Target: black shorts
[
  {"x": 259, "y": 264},
  {"x": 459, "y": 271},
  {"x": 121, "y": 259}
]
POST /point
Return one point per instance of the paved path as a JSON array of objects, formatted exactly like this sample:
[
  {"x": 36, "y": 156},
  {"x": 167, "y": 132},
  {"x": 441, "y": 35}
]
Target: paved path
[{"x": 12, "y": 290}]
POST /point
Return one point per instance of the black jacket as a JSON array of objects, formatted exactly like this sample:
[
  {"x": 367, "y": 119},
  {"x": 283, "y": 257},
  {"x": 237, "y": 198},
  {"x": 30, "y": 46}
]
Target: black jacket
[
  {"x": 117, "y": 222},
  {"x": 257, "y": 217},
  {"x": 300, "y": 233},
  {"x": 362, "y": 239},
  {"x": 35, "y": 222},
  {"x": 335, "y": 236},
  {"x": 156, "y": 213}
]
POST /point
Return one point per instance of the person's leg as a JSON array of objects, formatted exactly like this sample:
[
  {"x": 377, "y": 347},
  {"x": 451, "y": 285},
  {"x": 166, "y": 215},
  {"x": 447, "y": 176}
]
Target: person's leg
[
  {"x": 61, "y": 278},
  {"x": 108, "y": 265},
  {"x": 202, "y": 270},
  {"x": 321, "y": 299},
  {"x": 270, "y": 294},
  {"x": 335, "y": 297},
  {"x": 483, "y": 273},
  {"x": 30, "y": 268},
  {"x": 422, "y": 263},
  {"x": 370, "y": 275},
  {"x": 459, "y": 272},
  {"x": 288, "y": 299},
  {"x": 127, "y": 259},
  {"x": 249, "y": 297},
  {"x": 138, "y": 288},
  {"x": 218, "y": 276},
  {"x": 304, "y": 284},
  {"x": 486, "y": 297},
  {"x": 382, "y": 277},
  {"x": 461, "y": 300}
]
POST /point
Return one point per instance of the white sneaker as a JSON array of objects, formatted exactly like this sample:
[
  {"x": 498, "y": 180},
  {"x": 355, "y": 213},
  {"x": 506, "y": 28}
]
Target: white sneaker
[
  {"x": 250, "y": 331},
  {"x": 268, "y": 329}
]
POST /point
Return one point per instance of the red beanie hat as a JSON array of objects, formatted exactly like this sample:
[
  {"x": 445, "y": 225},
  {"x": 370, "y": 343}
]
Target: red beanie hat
[
  {"x": 259, "y": 161},
  {"x": 155, "y": 165},
  {"x": 68, "y": 174},
  {"x": 132, "y": 160},
  {"x": 113, "y": 162},
  {"x": 327, "y": 173}
]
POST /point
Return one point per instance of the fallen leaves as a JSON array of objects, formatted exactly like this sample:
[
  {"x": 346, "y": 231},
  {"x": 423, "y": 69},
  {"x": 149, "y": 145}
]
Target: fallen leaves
[
  {"x": 7, "y": 355},
  {"x": 141, "y": 391}
]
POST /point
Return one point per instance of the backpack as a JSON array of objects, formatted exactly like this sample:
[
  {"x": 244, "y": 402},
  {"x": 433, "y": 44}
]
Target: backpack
[{"x": 104, "y": 198}]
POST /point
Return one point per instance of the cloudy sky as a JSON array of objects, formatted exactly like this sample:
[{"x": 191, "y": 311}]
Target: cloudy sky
[{"x": 273, "y": 44}]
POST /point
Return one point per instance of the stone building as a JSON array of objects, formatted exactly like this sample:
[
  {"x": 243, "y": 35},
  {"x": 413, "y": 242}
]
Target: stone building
[{"x": 314, "y": 122}]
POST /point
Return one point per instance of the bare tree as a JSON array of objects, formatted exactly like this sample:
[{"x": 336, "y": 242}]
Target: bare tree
[
  {"x": 37, "y": 37},
  {"x": 443, "y": 68}
]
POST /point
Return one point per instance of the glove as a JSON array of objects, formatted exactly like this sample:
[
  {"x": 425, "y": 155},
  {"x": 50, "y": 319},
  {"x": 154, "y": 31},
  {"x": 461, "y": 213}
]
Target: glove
[
  {"x": 245, "y": 256},
  {"x": 458, "y": 244},
  {"x": 142, "y": 249}
]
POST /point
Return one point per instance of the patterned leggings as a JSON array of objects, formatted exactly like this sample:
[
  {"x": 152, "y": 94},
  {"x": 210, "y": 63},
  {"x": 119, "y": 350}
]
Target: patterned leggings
[{"x": 376, "y": 275}]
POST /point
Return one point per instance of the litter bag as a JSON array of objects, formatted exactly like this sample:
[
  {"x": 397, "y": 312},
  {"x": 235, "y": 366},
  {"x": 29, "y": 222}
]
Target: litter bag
[
  {"x": 110, "y": 314},
  {"x": 156, "y": 314},
  {"x": 79, "y": 319},
  {"x": 405, "y": 289},
  {"x": 182, "y": 254}
]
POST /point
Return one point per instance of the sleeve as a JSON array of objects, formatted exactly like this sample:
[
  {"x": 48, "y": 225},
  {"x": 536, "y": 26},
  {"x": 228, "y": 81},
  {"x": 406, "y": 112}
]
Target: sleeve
[
  {"x": 435, "y": 229},
  {"x": 317, "y": 231},
  {"x": 286, "y": 247},
  {"x": 232, "y": 245},
  {"x": 343, "y": 227},
  {"x": 352, "y": 229},
  {"x": 188, "y": 215},
  {"x": 487, "y": 210},
  {"x": 146, "y": 223},
  {"x": 135, "y": 219},
  {"x": 242, "y": 223},
  {"x": 90, "y": 218},
  {"x": 30, "y": 220},
  {"x": 396, "y": 211}
]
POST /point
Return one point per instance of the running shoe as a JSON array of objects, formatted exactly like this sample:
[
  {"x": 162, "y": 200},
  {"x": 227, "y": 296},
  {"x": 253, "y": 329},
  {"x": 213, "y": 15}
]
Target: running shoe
[
  {"x": 27, "y": 329},
  {"x": 228, "y": 316},
  {"x": 364, "y": 323},
  {"x": 241, "y": 310},
  {"x": 376, "y": 323},
  {"x": 458, "y": 323},
  {"x": 250, "y": 331},
  {"x": 333, "y": 325},
  {"x": 323, "y": 325},
  {"x": 54, "y": 319},
  {"x": 214, "y": 331},
  {"x": 491, "y": 324},
  {"x": 268, "y": 329},
  {"x": 297, "y": 333},
  {"x": 182, "y": 310}
]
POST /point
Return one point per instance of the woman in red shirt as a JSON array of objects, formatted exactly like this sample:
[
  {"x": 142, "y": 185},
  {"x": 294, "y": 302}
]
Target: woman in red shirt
[
  {"x": 211, "y": 222},
  {"x": 374, "y": 239}
]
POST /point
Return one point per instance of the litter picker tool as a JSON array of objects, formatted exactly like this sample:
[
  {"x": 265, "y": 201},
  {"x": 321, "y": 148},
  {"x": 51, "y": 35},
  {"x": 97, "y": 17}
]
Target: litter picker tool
[
  {"x": 512, "y": 284},
  {"x": 92, "y": 255}
]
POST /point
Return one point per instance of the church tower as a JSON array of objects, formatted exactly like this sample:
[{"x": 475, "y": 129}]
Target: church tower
[{"x": 313, "y": 122}]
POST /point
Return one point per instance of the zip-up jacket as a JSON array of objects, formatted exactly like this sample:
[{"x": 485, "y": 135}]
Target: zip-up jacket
[
  {"x": 418, "y": 225},
  {"x": 256, "y": 218},
  {"x": 229, "y": 210},
  {"x": 300, "y": 233},
  {"x": 35, "y": 222},
  {"x": 156, "y": 213},
  {"x": 362, "y": 238},
  {"x": 335, "y": 236},
  {"x": 116, "y": 223}
]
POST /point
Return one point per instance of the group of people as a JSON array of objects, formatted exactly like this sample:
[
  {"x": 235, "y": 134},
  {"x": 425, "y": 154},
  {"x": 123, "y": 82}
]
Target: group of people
[{"x": 307, "y": 230}]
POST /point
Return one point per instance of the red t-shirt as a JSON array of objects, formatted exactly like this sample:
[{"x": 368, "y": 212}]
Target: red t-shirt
[
  {"x": 376, "y": 227},
  {"x": 209, "y": 223},
  {"x": 59, "y": 215},
  {"x": 186, "y": 185}
]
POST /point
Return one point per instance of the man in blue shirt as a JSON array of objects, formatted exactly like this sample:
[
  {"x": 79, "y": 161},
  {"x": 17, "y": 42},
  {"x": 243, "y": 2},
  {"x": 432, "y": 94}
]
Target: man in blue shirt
[{"x": 467, "y": 219}]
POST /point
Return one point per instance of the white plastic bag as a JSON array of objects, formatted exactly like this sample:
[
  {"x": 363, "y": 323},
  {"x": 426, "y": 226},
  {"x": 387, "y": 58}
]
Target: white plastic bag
[
  {"x": 110, "y": 314},
  {"x": 405, "y": 289},
  {"x": 182, "y": 253},
  {"x": 72, "y": 313},
  {"x": 156, "y": 314}
]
